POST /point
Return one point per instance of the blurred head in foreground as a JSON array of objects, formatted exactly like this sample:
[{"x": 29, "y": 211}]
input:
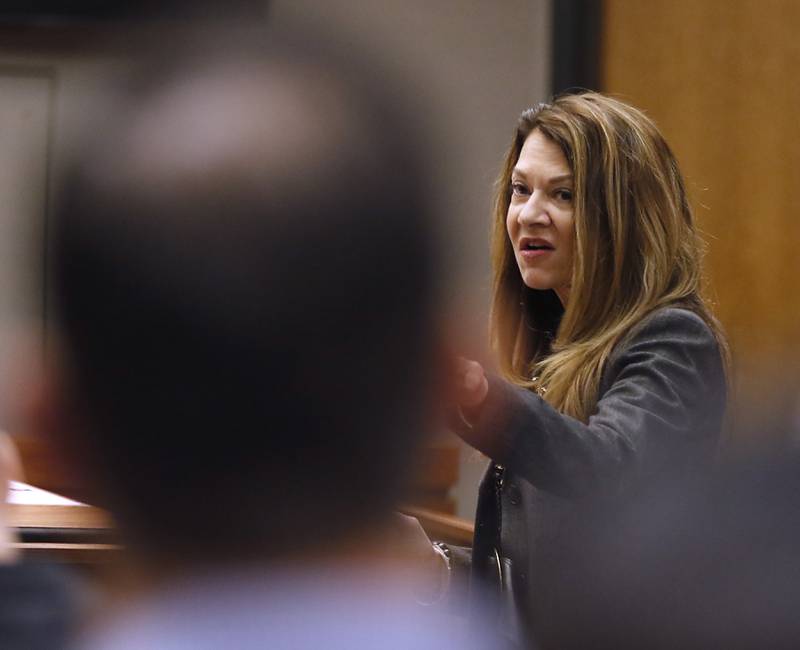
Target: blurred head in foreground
[{"x": 242, "y": 269}]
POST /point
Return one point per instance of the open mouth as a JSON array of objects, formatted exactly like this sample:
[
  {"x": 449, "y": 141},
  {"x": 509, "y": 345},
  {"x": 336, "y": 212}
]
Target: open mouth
[{"x": 535, "y": 245}]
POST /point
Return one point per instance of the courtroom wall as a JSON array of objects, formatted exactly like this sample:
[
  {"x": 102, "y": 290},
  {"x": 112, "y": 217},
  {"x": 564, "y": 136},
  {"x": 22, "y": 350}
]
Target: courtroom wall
[{"x": 720, "y": 79}]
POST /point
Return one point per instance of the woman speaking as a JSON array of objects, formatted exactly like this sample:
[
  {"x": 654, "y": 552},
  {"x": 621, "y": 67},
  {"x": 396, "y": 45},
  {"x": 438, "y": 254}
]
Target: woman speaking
[{"x": 612, "y": 365}]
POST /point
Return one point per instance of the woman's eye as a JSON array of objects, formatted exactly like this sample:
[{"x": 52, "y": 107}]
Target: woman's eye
[
  {"x": 564, "y": 195},
  {"x": 518, "y": 189}
]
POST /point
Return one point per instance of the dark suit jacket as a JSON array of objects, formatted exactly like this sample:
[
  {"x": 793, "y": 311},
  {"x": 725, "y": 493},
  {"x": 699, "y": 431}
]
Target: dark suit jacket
[{"x": 661, "y": 404}]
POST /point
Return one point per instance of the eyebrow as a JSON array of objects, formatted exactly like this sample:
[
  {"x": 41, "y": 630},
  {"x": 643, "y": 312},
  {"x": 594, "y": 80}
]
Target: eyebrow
[{"x": 556, "y": 179}]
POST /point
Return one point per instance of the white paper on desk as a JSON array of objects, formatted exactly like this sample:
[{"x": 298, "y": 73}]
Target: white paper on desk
[{"x": 27, "y": 495}]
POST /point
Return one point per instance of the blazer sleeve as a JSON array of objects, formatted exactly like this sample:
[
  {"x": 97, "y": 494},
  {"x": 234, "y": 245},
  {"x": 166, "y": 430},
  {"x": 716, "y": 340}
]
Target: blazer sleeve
[{"x": 661, "y": 407}]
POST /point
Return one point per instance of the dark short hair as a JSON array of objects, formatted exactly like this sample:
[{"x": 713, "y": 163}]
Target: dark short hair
[{"x": 251, "y": 338}]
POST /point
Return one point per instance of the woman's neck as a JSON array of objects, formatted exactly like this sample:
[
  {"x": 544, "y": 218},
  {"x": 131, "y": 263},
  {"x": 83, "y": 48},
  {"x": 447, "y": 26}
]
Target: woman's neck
[{"x": 563, "y": 295}]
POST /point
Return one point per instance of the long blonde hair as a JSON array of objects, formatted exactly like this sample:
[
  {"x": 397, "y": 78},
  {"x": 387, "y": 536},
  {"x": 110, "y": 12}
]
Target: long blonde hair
[{"x": 636, "y": 249}]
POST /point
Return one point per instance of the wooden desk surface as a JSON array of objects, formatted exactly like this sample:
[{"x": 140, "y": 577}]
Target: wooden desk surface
[
  {"x": 67, "y": 517},
  {"x": 85, "y": 535},
  {"x": 77, "y": 534},
  {"x": 76, "y": 531}
]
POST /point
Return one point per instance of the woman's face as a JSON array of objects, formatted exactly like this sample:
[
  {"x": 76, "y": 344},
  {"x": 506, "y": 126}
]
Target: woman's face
[{"x": 540, "y": 220}]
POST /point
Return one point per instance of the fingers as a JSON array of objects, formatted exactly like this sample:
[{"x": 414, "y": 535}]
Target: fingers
[
  {"x": 472, "y": 383},
  {"x": 408, "y": 542},
  {"x": 473, "y": 376},
  {"x": 411, "y": 530}
]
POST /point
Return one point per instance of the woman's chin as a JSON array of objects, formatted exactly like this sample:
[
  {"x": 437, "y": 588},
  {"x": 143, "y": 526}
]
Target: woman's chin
[{"x": 537, "y": 282}]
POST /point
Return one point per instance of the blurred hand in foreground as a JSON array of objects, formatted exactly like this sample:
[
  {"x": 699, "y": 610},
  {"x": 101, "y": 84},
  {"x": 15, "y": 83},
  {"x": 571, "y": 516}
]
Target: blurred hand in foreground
[{"x": 471, "y": 383}]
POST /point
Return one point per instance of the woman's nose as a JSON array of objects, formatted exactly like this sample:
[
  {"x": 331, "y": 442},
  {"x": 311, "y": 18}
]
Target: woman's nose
[{"x": 534, "y": 212}]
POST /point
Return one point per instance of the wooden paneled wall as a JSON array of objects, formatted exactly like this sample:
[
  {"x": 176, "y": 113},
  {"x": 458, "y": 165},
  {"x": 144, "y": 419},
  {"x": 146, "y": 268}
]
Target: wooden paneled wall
[{"x": 722, "y": 80}]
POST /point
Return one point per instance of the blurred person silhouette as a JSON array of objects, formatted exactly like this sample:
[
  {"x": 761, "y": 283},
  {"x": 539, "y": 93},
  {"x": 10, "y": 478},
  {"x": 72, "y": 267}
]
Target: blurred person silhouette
[
  {"x": 708, "y": 563},
  {"x": 247, "y": 356}
]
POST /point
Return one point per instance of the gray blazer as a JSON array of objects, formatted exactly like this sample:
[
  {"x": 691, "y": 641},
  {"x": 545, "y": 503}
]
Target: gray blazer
[{"x": 662, "y": 400}]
